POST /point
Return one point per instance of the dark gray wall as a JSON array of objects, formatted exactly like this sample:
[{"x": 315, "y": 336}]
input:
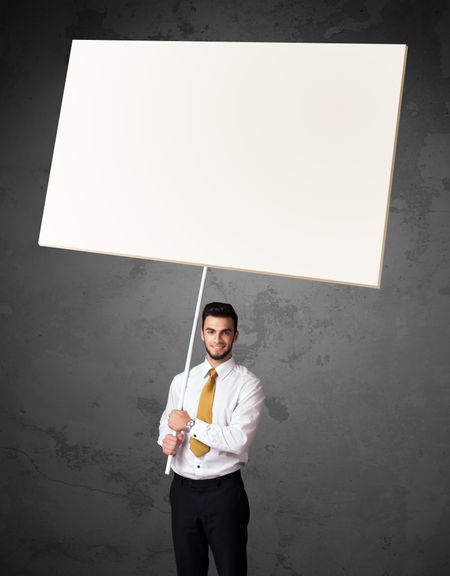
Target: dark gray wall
[{"x": 349, "y": 474}]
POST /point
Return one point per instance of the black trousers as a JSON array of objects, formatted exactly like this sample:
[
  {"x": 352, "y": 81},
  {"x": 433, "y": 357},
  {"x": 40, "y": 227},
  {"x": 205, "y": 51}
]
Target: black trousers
[{"x": 210, "y": 512}]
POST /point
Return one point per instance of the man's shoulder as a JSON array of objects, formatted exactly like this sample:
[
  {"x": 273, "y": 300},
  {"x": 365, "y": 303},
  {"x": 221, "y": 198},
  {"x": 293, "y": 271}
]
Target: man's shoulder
[
  {"x": 250, "y": 386},
  {"x": 246, "y": 374}
]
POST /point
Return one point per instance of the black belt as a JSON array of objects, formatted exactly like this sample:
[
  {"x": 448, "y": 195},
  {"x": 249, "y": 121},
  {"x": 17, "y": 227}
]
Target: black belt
[{"x": 208, "y": 483}]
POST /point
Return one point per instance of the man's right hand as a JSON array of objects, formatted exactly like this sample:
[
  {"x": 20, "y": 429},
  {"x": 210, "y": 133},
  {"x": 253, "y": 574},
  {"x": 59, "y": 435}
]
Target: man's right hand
[{"x": 170, "y": 443}]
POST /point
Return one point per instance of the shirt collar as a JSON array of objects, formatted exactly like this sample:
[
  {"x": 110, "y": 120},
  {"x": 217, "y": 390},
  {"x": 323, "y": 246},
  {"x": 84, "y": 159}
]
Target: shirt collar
[{"x": 222, "y": 370}]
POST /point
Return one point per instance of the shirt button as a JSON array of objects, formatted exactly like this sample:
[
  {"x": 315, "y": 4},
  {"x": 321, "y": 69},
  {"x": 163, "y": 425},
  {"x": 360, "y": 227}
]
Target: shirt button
[
  {"x": 195, "y": 435},
  {"x": 198, "y": 465}
]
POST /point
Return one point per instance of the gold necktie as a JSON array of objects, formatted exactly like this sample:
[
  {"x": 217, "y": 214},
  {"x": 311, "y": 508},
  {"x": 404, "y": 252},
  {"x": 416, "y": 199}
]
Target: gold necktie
[{"x": 204, "y": 412}]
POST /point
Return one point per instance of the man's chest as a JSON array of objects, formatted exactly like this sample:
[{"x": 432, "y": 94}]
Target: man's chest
[{"x": 226, "y": 397}]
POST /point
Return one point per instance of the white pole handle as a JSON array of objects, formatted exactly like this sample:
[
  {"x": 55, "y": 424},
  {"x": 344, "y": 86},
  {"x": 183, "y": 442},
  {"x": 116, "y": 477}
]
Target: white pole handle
[{"x": 189, "y": 356}]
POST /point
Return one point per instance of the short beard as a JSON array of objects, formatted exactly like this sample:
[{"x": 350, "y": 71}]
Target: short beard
[{"x": 219, "y": 356}]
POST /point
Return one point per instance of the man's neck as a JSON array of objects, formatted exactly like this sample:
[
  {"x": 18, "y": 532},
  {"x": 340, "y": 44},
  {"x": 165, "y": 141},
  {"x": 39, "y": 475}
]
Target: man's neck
[{"x": 215, "y": 363}]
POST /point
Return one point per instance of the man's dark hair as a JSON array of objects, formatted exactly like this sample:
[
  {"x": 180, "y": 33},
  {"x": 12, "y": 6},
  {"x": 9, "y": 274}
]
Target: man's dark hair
[{"x": 220, "y": 310}]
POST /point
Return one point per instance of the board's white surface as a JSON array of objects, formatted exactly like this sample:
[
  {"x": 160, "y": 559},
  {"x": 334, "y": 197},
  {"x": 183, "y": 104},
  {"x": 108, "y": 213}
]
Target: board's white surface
[{"x": 267, "y": 157}]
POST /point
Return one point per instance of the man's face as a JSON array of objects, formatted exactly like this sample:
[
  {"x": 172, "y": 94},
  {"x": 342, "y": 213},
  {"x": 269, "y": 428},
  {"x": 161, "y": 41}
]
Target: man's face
[{"x": 219, "y": 336}]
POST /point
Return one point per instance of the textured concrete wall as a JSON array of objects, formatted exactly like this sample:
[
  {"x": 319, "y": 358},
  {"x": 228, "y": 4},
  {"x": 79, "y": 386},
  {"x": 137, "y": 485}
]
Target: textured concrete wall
[{"x": 349, "y": 473}]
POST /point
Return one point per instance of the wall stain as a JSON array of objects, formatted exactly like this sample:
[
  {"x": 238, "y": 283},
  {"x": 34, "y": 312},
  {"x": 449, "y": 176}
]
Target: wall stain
[
  {"x": 139, "y": 268},
  {"x": 76, "y": 456},
  {"x": 270, "y": 316},
  {"x": 137, "y": 477},
  {"x": 292, "y": 358},
  {"x": 149, "y": 406},
  {"x": 277, "y": 408},
  {"x": 321, "y": 361},
  {"x": 89, "y": 25}
]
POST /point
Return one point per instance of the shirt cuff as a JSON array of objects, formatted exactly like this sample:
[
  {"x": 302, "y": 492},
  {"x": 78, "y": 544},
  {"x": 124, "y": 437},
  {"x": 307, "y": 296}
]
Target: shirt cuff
[{"x": 199, "y": 430}]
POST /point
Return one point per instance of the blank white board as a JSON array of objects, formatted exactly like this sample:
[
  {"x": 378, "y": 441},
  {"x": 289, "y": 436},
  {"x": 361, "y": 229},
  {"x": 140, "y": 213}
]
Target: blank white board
[{"x": 264, "y": 157}]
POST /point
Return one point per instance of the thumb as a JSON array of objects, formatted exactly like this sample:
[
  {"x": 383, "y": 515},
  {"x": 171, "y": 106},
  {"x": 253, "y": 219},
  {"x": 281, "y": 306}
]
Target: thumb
[{"x": 180, "y": 436}]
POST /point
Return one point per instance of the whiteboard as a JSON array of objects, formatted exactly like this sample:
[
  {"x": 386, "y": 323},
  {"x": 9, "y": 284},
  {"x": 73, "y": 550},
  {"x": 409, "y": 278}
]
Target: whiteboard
[{"x": 264, "y": 157}]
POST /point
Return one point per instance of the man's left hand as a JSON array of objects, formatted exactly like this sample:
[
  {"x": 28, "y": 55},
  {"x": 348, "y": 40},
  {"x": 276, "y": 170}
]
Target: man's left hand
[{"x": 178, "y": 419}]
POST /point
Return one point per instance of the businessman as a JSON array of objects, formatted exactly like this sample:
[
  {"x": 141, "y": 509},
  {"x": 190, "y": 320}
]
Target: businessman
[{"x": 221, "y": 412}]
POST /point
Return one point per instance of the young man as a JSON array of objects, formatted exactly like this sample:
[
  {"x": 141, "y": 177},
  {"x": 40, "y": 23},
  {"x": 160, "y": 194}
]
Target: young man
[{"x": 222, "y": 408}]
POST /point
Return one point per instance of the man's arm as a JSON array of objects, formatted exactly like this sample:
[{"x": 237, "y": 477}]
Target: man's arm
[{"x": 240, "y": 431}]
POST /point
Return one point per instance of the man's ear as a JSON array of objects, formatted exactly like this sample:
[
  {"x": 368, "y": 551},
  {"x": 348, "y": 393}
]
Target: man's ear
[
  {"x": 236, "y": 336},
  {"x": 201, "y": 334}
]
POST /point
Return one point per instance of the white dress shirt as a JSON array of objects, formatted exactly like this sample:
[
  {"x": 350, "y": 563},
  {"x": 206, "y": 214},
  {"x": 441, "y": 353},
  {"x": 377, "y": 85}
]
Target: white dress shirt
[{"x": 237, "y": 406}]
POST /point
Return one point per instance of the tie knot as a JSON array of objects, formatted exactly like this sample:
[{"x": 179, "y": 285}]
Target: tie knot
[{"x": 213, "y": 373}]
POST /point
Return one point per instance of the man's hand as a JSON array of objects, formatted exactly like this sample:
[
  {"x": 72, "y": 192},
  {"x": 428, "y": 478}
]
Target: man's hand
[
  {"x": 170, "y": 443},
  {"x": 178, "y": 420}
]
